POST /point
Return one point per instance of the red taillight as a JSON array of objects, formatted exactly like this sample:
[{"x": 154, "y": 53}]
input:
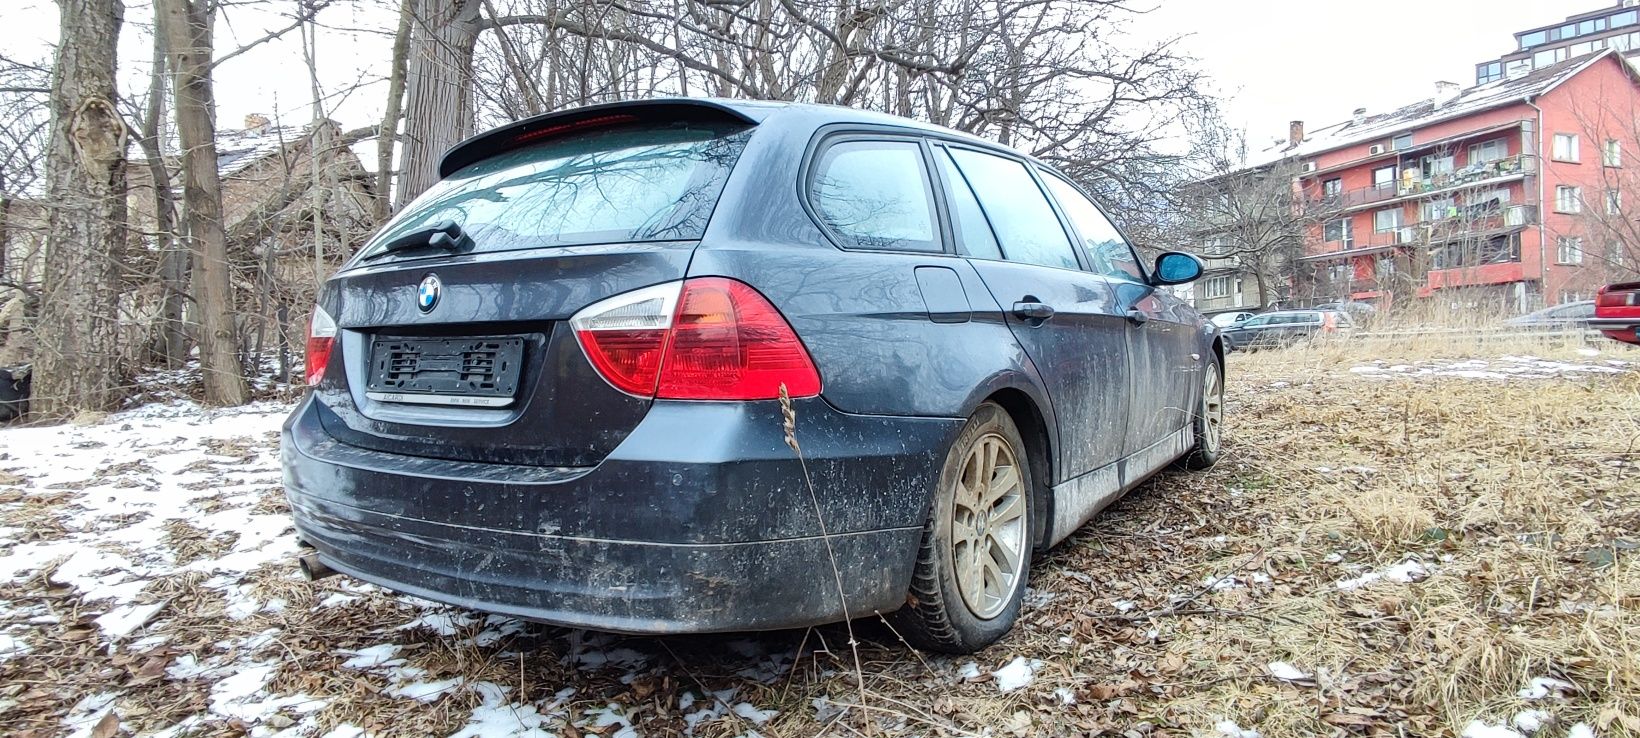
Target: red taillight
[
  {"x": 321, "y": 339},
  {"x": 708, "y": 338}
]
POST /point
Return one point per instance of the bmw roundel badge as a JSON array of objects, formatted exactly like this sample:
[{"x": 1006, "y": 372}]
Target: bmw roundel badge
[{"x": 428, "y": 293}]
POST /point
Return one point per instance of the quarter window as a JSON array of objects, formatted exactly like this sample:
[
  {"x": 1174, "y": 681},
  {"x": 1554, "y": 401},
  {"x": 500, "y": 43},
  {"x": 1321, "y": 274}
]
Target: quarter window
[
  {"x": 1109, "y": 252},
  {"x": 1024, "y": 222},
  {"x": 973, "y": 232},
  {"x": 875, "y": 195}
]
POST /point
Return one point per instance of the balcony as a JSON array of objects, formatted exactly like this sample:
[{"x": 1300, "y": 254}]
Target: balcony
[
  {"x": 1498, "y": 170},
  {"x": 1478, "y": 223}
]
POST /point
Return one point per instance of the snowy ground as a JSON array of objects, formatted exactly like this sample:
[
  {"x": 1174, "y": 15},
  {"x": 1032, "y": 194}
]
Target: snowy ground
[{"x": 1363, "y": 541}]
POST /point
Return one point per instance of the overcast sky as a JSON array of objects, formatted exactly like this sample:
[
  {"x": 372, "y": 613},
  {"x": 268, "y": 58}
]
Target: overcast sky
[{"x": 1276, "y": 60}]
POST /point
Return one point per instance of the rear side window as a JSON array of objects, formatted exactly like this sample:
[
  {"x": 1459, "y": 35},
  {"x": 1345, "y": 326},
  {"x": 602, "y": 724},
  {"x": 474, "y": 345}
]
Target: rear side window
[
  {"x": 1109, "y": 252},
  {"x": 631, "y": 183},
  {"x": 972, "y": 229},
  {"x": 875, "y": 195},
  {"x": 1024, "y": 222}
]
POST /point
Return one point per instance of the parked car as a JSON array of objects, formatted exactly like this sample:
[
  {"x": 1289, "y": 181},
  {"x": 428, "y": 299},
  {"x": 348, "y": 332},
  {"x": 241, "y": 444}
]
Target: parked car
[
  {"x": 554, "y": 385},
  {"x": 1566, "y": 315},
  {"x": 1617, "y": 312},
  {"x": 1358, "y": 311},
  {"x": 1287, "y": 327},
  {"x": 1225, "y": 320}
]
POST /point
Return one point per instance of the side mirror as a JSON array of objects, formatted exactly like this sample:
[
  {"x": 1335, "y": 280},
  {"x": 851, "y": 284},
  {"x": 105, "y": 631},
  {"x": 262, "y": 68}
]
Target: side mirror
[{"x": 1176, "y": 267}]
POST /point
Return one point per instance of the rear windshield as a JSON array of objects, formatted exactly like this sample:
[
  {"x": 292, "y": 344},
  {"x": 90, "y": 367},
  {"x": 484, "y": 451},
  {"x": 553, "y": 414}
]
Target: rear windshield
[{"x": 633, "y": 183}]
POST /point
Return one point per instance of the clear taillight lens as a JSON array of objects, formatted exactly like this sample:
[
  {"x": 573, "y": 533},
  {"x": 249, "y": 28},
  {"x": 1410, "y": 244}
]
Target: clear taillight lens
[
  {"x": 707, "y": 338},
  {"x": 321, "y": 339}
]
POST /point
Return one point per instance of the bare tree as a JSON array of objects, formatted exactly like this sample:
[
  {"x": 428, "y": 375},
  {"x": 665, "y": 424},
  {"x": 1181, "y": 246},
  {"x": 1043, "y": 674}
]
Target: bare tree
[
  {"x": 85, "y": 170},
  {"x": 186, "y": 27}
]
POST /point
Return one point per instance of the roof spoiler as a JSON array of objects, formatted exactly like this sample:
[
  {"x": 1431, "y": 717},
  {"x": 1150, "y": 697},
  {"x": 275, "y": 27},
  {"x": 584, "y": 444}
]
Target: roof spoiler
[{"x": 497, "y": 140}]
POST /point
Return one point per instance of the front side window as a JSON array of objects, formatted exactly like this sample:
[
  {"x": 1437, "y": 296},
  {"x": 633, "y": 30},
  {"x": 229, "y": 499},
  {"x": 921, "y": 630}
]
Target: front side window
[
  {"x": 1109, "y": 251},
  {"x": 1024, "y": 222},
  {"x": 875, "y": 195},
  {"x": 632, "y": 183},
  {"x": 1565, "y": 148}
]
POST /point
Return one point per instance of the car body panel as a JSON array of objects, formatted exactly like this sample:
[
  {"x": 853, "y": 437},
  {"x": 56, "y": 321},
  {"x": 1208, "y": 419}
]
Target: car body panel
[{"x": 1617, "y": 312}]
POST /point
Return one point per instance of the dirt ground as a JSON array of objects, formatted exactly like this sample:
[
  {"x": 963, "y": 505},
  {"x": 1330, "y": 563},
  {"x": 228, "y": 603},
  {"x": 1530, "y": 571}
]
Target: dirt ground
[{"x": 1401, "y": 540}]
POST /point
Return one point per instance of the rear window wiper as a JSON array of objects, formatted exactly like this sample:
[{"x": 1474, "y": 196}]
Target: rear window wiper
[{"x": 445, "y": 234}]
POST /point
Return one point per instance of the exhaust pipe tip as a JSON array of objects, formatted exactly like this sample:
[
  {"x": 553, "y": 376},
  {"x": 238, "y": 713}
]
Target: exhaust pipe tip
[{"x": 312, "y": 568}]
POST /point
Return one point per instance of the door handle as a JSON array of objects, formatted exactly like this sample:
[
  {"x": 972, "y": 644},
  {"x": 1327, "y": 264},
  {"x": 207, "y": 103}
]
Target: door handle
[
  {"x": 1036, "y": 311},
  {"x": 1137, "y": 317}
]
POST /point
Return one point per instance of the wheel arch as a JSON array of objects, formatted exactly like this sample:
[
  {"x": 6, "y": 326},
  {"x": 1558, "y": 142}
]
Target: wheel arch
[{"x": 1032, "y": 424}]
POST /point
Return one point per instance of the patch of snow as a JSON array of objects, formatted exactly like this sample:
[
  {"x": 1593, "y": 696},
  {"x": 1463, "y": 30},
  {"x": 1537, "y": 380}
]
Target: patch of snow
[
  {"x": 425, "y": 691},
  {"x": 1124, "y": 605},
  {"x": 1530, "y": 721},
  {"x": 1286, "y": 672},
  {"x": 374, "y": 657},
  {"x": 750, "y": 712},
  {"x": 1064, "y": 695},
  {"x": 120, "y": 621},
  {"x": 1483, "y": 729},
  {"x": 1229, "y": 729},
  {"x": 497, "y": 717},
  {"x": 1405, "y": 572},
  {"x": 968, "y": 671},
  {"x": 1540, "y": 687},
  {"x": 346, "y": 731},
  {"x": 1580, "y": 730},
  {"x": 83, "y": 716},
  {"x": 1017, "y": 674}
]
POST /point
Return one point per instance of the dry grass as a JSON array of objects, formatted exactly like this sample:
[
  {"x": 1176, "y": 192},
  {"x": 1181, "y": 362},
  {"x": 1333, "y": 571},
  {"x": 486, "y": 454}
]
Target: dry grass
[{"x": 1519, "y": 497}]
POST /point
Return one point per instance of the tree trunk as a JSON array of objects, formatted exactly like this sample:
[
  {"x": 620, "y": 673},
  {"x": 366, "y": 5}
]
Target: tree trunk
[
  {"x": 170, "y": 345},
  {"x": 438, "y": 104},
  {"x": 388, "y": 135},
  {"x": 186, "y": 25},
  {"x": 78, "y": 330}
]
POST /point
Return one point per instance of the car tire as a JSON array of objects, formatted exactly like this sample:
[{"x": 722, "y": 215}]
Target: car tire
[
  {"x": 957, "y": 603},
  {"x": 1207, "y": 427}
]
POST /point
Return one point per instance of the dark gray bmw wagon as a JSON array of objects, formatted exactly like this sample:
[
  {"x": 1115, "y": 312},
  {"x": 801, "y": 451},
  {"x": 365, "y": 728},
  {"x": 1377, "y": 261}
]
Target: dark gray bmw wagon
[{"x": 550, "y": 387}]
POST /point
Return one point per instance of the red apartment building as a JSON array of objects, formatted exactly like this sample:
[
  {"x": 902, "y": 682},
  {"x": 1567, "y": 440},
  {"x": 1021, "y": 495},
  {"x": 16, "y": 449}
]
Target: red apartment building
[{"x": 1489, "y": 189}]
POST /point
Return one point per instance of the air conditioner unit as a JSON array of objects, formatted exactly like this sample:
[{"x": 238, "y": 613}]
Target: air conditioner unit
[
  {"x": 1375, "y": 150},
  {"x": 1307, "y": 167}
]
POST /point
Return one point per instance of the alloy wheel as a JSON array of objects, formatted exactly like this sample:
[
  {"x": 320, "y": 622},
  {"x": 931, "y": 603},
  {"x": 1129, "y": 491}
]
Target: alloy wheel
[
  {"x": 988, "y": 526},
  {"x": 1213, "y": 406}
]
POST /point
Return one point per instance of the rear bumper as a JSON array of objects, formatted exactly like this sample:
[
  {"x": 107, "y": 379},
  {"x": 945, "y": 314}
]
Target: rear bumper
[
  {"x": 700, "y": 521},
  {"x": 1623, "y": 329}
]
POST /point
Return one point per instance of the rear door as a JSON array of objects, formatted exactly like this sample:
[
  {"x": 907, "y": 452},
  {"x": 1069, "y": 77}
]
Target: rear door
[
  {"x": 1065, "y": 318},
  {"x": 1161, "y": 348},
  {"x": 466, "y": 353}
]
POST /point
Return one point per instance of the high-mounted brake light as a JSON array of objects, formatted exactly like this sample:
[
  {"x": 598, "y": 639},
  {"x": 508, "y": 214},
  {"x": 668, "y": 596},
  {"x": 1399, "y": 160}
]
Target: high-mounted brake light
[
  {"x": 321, "y": 339},
  {"x": 598, "y": 122},
  {"x": 707, "y": 338}
]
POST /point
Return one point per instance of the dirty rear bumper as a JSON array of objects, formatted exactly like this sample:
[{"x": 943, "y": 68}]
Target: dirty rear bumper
[{"x": 699, "y": 521}]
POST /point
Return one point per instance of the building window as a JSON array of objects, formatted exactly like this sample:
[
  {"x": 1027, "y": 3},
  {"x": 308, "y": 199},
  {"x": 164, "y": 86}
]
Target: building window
[
  {"x": 1612, "y": 154},
  {"x": 1337, "y": 230},
  {"x": 1568, "y": 199},
  {"x": 1435, "y": 166},
  {"x": 1385, "y": 267},
  {"x": 1383, "y": 178},
  {"x": 1332, "y": 187},
  {"x": 1535, "y": 38},
  {"x": 1571, "y": 296},
  {"x": 1387, "y": 219},
  {"x": 1565, "y": 148},
  {"x": 1488, "y": 151},
  {"x": 1440, "y": 209},
  {"x": 1488, "y": 72},
  {"x": 1218, "y": 287},
  {"x": 1625, "y": 18},
  {"x": 1569, "y": 250},
  {"x": 1403, "y": 141},
  {"x": 1339, "y": 273},
  {"x": 1614, "y": 202}
]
